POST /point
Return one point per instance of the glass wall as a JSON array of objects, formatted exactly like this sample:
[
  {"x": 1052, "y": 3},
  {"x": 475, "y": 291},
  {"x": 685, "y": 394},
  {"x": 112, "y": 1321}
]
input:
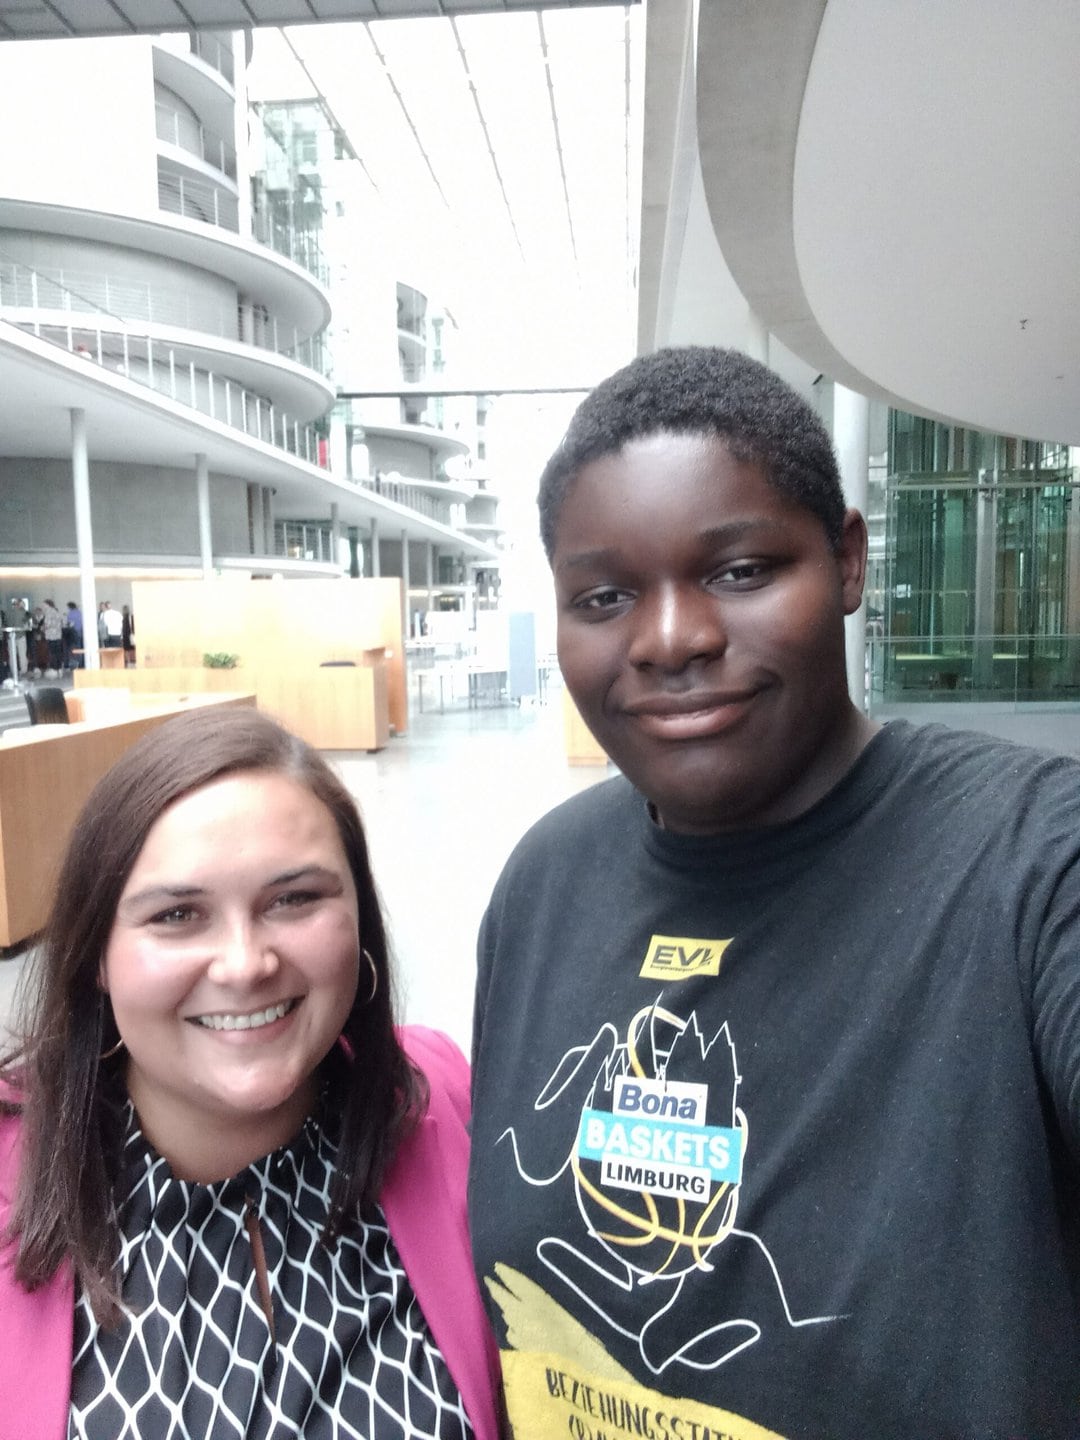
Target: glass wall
[{"x": 977, "y": 595}]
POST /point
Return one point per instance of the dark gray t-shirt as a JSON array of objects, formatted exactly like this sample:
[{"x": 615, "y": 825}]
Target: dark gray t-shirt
[{"x": 779, "y": 1132}]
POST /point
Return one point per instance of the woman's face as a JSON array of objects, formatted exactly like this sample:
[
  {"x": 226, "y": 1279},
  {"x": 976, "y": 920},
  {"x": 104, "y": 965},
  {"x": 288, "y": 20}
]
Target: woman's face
[{"x": 231, "y": 967}]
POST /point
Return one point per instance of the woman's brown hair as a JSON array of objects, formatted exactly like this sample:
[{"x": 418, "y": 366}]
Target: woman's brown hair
[{"x": 69, "y": 1144}]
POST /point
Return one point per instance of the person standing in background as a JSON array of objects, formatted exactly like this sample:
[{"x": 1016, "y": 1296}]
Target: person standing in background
[
  {"x": 53, "y": 627},
  {"x": 113, "y": 624},
  {"x": 127, "y": 634},
  {"x": 19, "y": 620},
  {"x": 73, "y": 634}
]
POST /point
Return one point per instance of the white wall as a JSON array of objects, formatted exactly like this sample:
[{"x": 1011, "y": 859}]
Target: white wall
[
  {"x": 410, "y": 458},
  {"x": 185, "y": 294},
  {"x": 77, "y": 117},
  {"x": 136, "y": 510}
]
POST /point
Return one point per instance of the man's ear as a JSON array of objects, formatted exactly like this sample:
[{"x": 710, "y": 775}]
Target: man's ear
[{"x": 851, "y": 560}]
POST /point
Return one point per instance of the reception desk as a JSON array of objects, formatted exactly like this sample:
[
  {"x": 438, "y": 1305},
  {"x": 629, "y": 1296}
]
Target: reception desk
[
  {"x": 46, "y": 775},
  {"x": 332, "y": 707}
]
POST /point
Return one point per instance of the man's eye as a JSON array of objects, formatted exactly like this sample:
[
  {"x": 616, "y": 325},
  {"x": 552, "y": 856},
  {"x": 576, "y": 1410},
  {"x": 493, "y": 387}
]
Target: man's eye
[
  {"x": 742, "y": 572},
  {"x": 601, "y": 599}
]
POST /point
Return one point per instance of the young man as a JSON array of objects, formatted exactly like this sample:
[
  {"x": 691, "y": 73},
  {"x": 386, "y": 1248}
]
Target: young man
[{"x": 777, "y": 1052}]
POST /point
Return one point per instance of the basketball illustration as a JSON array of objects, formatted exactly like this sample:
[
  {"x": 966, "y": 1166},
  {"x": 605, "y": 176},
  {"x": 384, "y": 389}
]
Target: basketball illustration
[{"x": 661, "y": 1141}]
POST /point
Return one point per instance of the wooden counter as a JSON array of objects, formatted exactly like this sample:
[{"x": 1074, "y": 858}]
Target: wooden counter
[
  {"x": 46, "y": 775},
  {"x": 582, "y": 746},
  {"x": 335, "y": 707}
]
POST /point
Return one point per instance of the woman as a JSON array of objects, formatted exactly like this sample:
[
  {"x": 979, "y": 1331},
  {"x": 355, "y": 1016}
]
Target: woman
[{"x": 232, "y": 1196}]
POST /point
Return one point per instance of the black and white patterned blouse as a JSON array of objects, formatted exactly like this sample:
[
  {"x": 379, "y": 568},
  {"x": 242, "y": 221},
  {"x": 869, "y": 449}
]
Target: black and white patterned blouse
[{"x": 350, "y": 1353}]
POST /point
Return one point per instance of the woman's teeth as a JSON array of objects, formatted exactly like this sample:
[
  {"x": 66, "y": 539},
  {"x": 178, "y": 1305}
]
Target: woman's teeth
[{"x": 246, "y": 1022}]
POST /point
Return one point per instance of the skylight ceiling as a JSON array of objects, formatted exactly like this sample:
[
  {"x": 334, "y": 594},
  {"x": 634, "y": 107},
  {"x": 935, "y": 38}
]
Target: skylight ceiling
[{"x": 513, "y": 142}]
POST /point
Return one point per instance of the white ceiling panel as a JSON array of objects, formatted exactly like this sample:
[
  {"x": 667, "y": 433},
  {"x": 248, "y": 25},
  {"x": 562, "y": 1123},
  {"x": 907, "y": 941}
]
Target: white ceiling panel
[{"x": 508, "y": 139}]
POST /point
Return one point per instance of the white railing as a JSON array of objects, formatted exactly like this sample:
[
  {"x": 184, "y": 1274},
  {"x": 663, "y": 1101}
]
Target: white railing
[
  {"x": 58, "y": 289},
  {"x": 185, "y": 132},
  {"x": 198, "y": 200},
  {"x": 215, "y": 52},
  {"x": 86, "y": 330},
  {"x": 402, "y": 493}
]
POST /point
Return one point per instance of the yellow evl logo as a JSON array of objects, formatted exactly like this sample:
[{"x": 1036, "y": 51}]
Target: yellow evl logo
[{"x": 677, "y": 957}]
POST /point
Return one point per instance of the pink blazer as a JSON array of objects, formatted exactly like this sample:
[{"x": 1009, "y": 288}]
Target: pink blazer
[{"x": 423, "y": 1199}]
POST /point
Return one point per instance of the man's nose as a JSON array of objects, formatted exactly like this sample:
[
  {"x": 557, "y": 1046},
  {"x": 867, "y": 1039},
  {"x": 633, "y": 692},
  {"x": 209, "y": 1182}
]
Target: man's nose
[{"x": 676, "y": 625}]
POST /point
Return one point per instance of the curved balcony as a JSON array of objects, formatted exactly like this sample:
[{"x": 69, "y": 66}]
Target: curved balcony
[
  {"x": 213, "y": 51},
  {"x": 179, "y": 371},
  {"x": 181, "y": 131},
  {"x": 199, "y": 68},
  {"x": 438, "y": 442},
  {"x": 490, "y": 532},
  {"x": 198, "y": 199},
  {"x": 450, "y": 491},
  {"x": 53, "y": 289},
  {"x": 430, "y": 498},
  {"x": 264, "y": 277}
]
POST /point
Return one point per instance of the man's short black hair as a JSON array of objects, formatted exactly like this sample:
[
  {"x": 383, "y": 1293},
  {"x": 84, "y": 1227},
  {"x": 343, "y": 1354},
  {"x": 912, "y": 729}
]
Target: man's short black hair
[{"x": 700, "y": 390}]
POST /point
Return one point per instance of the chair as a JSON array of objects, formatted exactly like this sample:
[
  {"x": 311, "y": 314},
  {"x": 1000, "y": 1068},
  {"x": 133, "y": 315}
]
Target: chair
[{"x": 47, "y": 705}]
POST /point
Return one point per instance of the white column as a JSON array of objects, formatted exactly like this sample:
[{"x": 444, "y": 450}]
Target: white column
[
  {"x": 851, "y": 435},
  {"x": 375, "y": 570},
  {"x": 268, "y": 520},
  {"x": 405, "y": 583},
  {"x": 1071, "y": 625},
  {"x": 757, "y": 338},
  {"x": 202, "y": 492},
  {"x": 335, "y": 533},
  {"x": 84, "y": 542},
  {"x": 431, "y": 575}
]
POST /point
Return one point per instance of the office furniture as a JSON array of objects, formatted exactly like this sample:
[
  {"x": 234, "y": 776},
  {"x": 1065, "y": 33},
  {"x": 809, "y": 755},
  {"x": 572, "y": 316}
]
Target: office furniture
[
  {"x": 282, "y": 631},
  {"x": 46, "y": 775},
  {"x": 340, "y": 708}
]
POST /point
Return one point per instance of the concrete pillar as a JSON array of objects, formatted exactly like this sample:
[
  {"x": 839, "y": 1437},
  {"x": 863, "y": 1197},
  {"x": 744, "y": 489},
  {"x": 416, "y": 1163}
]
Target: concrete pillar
[
  {"x": 335, "y": 533},
  {"x": 851, "y": 435},
  {"x": 431, "y": 575},
  {"x": 405, "y": 584},
  {"x": 202, "y": 491},
  {"x": 757, "y": 338},
  {"x": 1072, "y": 598},
  {"x": 84, "y": 541},
  {"x": 268, "y": 520},
  {"x": 376, "y": 571},
  {"x": 985, "y": 572},
  {"x": 356, "y": 568}
]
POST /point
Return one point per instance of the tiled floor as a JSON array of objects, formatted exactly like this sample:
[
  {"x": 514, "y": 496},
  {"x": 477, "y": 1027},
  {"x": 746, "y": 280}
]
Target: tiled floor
[{"x": 442, "y": 808}]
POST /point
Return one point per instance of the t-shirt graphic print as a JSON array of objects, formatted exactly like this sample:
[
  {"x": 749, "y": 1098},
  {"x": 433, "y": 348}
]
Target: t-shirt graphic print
[{"x": 647, "y": 1130}]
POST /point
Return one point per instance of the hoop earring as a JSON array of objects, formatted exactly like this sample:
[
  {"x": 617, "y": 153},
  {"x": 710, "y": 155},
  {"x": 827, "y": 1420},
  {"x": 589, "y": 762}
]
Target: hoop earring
[
  {"x": 108, "y": 1055},
  {"x": 374, "y": 974}
]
